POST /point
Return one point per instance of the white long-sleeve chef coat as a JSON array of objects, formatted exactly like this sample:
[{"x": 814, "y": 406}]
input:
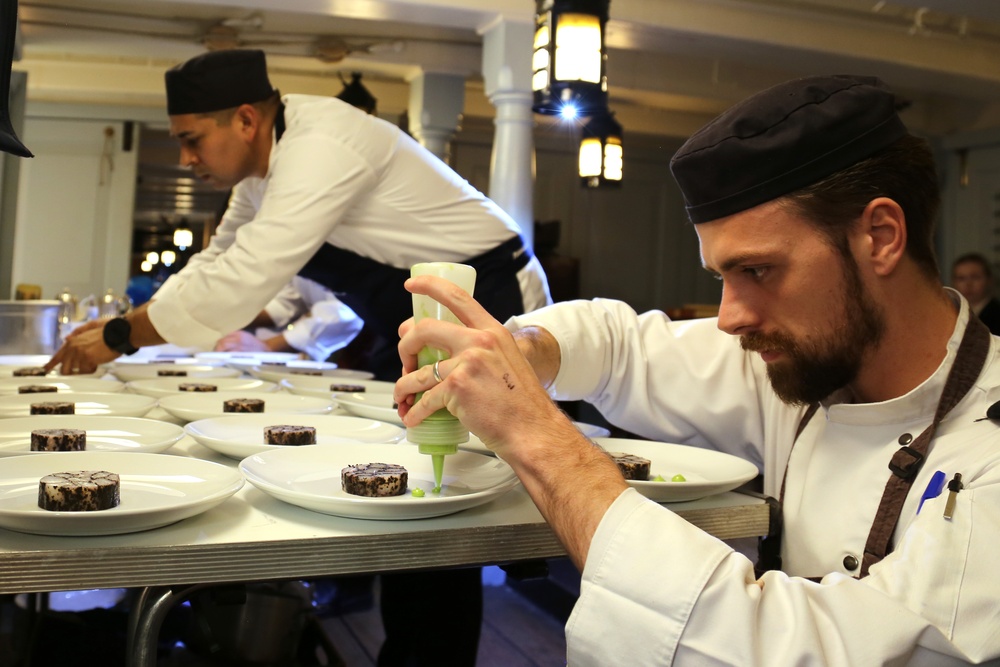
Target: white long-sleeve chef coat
[
  {"x": 338, "y": 176},
  {"x": 312, "y": 319},
  {"x": 658, "y": 591}
]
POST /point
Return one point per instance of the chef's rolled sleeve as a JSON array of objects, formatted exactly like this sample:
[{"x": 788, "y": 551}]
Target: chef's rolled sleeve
[{"x": 655, "y": 603}]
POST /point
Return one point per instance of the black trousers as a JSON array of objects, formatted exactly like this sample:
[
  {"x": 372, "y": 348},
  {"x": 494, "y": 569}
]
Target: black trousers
[{"x": 431, "y": 618}]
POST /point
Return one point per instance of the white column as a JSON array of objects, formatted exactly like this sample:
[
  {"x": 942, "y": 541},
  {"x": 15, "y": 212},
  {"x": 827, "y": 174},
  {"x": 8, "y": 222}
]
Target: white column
[
  {"x": 507, "y": 74},
  {"x": 436, "y": 102}
]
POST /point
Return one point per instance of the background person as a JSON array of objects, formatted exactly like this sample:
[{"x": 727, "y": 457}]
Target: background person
[
  {"x": 309, "y": 317},
  {"x": 815, "y": 208},
  {"x": 971, "y": 275}
]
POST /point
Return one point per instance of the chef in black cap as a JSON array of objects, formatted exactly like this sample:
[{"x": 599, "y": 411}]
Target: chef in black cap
[
  {"x": 839, "y": 366},
  {"x": 328, "y": 192},
  {"x": 322, "y": 190}
]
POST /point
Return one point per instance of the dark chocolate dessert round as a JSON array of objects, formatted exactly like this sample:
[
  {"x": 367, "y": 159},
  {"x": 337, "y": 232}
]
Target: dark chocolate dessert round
[
  {"x": 243, "y": 405},
  {"x": 79, "y": 491},
  {"x": 37, "y": 389},
  {"x": 374, "y": 480},
  {"x": 288, "y": 434},
  {"x": 53, "y": 408},
  {"x": 58, "y": 440}
]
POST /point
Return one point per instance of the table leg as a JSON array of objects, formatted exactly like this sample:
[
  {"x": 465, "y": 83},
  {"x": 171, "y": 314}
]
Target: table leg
[{"x": 148, "y": 609}]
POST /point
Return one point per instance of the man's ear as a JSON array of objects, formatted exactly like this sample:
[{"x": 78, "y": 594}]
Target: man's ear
[
  {"x": 885, "y": 224},
  {"x": 247, "y": 121}
]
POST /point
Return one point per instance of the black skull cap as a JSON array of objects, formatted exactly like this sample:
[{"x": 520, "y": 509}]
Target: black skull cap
[
  {"x": 217, "y": 80},
  {"x": 783, "y": 139}
]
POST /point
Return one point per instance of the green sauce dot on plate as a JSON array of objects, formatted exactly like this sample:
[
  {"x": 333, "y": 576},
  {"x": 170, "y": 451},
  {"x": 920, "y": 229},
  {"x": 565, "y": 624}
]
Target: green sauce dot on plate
[
  {"x": 417, "y": 492},
  {"x": 658, "y": 478},
  {"x": 436, "y": 489},
  {"x": 678, "y": 478}
]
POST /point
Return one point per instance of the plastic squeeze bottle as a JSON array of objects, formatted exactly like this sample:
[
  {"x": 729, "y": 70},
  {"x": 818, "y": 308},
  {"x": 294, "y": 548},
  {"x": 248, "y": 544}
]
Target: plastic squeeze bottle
[{"x": 440, "y": 433}]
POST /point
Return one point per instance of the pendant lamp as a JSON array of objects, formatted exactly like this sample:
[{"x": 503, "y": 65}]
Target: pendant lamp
[
  {"x": 568, "y": 62},
  {"x": 601, "y": 154}
]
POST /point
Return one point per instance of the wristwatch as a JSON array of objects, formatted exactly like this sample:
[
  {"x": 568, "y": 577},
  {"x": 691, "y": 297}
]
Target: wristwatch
[{"x": 116, "y": 335}]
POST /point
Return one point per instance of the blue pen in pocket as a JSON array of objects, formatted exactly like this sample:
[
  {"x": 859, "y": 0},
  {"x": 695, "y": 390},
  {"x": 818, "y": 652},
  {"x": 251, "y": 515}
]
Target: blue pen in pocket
[{"x": 934, "y": 488}]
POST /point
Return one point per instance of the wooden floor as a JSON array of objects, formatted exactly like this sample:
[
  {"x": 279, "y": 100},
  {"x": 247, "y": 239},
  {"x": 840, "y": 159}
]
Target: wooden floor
[{"x": 515, "y": 633}]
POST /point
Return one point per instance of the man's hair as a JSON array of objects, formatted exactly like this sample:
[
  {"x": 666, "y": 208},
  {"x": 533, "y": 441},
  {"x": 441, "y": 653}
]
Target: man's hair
[
  {"x": 904, "y": 171},
  {"x": 264, "y": 107},
  {"x": 974, "y": 258}
]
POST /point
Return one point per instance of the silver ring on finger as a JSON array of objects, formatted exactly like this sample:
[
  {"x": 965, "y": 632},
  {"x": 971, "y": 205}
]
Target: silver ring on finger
[{"x": 437, "y": 372}]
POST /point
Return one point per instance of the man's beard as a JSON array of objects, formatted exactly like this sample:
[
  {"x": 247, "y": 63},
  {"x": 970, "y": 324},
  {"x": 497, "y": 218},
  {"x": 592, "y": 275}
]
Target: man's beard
[{"x": 813, "y": 370}]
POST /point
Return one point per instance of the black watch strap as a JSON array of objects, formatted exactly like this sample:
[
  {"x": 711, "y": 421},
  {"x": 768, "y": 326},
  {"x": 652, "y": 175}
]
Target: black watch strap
[{"x": 116, "y": 336}]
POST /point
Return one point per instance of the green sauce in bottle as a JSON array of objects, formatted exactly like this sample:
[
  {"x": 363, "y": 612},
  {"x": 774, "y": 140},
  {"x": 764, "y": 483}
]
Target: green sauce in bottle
[{"x": 440, "y": 433}]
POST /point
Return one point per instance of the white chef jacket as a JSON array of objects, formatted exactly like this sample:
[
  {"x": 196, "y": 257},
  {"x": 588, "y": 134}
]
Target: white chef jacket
[
  {"x": 658, "y": 591},
  {"x": 340, "y": 176},
  {"x": 312, "y": 319}
]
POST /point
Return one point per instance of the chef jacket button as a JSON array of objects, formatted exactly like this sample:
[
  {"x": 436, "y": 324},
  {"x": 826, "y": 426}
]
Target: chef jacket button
[
  {"x": 850, "y": 563},
  {"x": 905, "y": 439}
]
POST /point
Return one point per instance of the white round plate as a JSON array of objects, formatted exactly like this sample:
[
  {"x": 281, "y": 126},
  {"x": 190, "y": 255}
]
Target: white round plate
[
  {"x": 239, "y": 436},
  {"x": 707, "y": 471},
  {"x": 193, "y": 406},
  {"x": 373, "y": 406},
  {"x": 156, "y": 490},
  {"x": 132, "y": 372},
  {"x": 63, "y": 383},
  {"x": 476, "y": 445},
  {"x": 320, "y": 386},
  {"x": 86, "y": 403},
  {"x": 310, "y": 477},
  {"x": 297, "y": 369},
  {"x": 245, "y": 359},
  {"x": 104, "y": 434},
  {"x": 12, "y": 362},
  {"x": 168, "y": 386}
]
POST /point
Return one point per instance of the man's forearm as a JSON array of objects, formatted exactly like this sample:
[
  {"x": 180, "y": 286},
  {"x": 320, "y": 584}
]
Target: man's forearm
[
  {"x": 541, "y": 350},
  {"x": 143, "y": 331}
]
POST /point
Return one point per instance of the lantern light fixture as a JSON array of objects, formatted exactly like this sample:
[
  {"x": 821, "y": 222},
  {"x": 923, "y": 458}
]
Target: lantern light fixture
[
  {"x": 146, "y": 266},
  {"x": 168, "y": 257},
  {"x": 568, "y": 62},
  {"x": 153, "y": 257},
  {"x": 601, "y": 155},
  {"x": 183, "y": 237}
]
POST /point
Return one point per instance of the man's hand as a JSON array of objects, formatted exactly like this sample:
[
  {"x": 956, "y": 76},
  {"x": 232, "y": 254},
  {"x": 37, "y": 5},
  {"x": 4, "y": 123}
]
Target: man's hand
[
  {"x": 240, "y": 341},
  {"x": 493, "y": 390},
  {"x": 83, "y": 351}
]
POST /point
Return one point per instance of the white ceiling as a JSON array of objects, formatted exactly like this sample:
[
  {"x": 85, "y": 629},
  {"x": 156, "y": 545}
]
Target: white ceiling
[{"x": 672, "y": 63}]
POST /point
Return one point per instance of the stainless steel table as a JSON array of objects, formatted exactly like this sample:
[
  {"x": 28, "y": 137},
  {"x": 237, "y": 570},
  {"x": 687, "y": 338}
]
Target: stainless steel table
[{"x": 254, "y": 537}]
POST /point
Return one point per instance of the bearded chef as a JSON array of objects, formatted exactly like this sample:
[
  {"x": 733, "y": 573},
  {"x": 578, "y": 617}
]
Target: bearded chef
[{"x": 838, "y": 363}]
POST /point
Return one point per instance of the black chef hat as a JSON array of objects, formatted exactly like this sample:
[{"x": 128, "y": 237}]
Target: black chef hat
[
  {"x": 783, "y": 139},
  {"x": 9, "y": 143},
  {"x": 217, "y": 80}
]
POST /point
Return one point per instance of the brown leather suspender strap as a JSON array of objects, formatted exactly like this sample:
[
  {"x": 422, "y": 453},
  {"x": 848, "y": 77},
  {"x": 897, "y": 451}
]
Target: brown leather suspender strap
[
  {"x": 905, "y": 463},
  {"x": 908, "y": 460}
]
